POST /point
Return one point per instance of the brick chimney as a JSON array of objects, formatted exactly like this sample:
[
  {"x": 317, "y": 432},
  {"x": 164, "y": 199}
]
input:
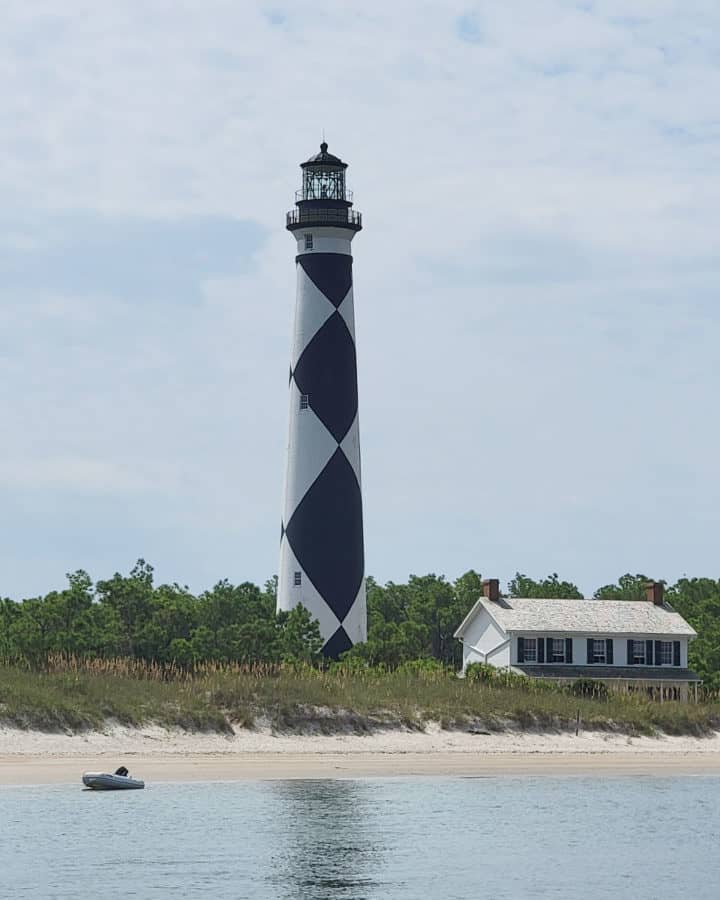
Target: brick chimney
[
  {"x": 491, "y": 589},
  {"x": 655, "y": 592}
]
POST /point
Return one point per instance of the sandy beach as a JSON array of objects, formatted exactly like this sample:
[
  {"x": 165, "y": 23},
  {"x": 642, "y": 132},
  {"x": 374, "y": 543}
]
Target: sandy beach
[{"x": 157, "y": 754}]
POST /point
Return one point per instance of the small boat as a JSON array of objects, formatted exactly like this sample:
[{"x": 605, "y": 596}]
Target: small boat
[{"x": 118, "y": 781}]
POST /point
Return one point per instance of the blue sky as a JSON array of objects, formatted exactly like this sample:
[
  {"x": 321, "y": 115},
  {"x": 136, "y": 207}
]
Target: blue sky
[{"x": 536, "y": 285}]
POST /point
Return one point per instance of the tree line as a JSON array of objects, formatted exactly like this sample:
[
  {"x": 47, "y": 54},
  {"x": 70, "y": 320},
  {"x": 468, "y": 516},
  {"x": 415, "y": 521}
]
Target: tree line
[{"x": 128, "y": 615}]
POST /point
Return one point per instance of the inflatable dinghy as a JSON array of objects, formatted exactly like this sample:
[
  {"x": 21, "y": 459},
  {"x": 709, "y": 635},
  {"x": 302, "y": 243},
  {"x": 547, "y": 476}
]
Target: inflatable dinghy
[{"x": 118, "y": 781}]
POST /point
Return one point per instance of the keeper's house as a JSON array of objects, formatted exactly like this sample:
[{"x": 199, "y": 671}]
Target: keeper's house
[{"x": 628, "y": 645}]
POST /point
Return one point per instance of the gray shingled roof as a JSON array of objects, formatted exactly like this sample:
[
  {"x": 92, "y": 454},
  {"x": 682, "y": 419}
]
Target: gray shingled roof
[{"x": 584, "y": 616}]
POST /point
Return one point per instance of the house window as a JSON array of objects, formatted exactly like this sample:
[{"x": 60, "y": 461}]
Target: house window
[
  {"x": 304, "y": 401},
  {"x": 599, "y": 651},
  {"x": 530, "y": 653},
  {"x": 665, "y": 657},
  {"x": 638, "y": 653},
  {"x": 308, "y": 242},
  {"x": 297, "y": 580},
  {"x": 557, "y": 650}
]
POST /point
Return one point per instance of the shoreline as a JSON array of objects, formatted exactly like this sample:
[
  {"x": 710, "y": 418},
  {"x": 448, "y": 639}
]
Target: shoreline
[{"x": 164, "y": 755}]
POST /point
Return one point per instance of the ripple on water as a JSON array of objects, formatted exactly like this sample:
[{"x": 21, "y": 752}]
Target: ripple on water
[{"x": 393, "y": 839}]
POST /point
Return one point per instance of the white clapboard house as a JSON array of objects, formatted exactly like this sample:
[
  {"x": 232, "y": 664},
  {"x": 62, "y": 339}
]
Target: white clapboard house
[{"x": 628, "y": 645}]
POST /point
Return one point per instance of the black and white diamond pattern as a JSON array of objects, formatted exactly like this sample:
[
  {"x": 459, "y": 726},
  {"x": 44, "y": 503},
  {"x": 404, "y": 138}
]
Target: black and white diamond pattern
[{"x": 322, "y": 533}]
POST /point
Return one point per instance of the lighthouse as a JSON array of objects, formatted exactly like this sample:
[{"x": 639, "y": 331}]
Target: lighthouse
[{"x": 322, "y": 562}]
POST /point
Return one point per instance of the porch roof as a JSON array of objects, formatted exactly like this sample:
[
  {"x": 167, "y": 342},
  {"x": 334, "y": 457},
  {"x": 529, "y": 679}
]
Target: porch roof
[{"x": 631, "y": 673}]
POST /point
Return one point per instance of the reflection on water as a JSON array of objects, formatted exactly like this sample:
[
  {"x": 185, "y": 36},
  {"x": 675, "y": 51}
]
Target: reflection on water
[
  {"x": 382, "y": 839},
  {"x": 329, "y": 849}
]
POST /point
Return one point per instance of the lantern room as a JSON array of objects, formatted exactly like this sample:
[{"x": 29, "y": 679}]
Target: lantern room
[
  {"x": 324, "y": 198},
  {"x": 323, "y": 176}
]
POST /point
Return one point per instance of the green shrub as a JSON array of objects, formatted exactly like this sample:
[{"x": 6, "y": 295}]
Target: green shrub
[
  {"x": 588, "y": 687},
  {"x": 424, "y": 667},
  {"x": 481, "y": 672}
]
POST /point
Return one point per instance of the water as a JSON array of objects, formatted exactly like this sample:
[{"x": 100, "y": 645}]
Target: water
[{"x": 450, "y": 839}]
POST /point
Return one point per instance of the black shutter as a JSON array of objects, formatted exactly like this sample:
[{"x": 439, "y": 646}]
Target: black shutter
[
  {"x": 609, "y": 651},
  {"x": 676, "y": 653},
  {"x": 540, "y": 649},
  {"x": 657, "y": 654},
  {"x": 521, "y": 650},
  {"x": 548, "y": 651},
  {"x": 630, "y": 653},
  {"x": 568, "y": 650},
  {"x": 589, "y": 651},
  {"x": 648, "y": 653}
]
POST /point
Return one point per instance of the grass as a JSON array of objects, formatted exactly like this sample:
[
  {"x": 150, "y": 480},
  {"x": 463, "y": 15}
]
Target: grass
[{"x": 84, "y": 695}]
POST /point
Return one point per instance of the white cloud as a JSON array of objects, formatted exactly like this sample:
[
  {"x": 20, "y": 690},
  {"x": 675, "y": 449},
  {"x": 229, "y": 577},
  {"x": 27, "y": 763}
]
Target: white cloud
[{"x": 535, "y": 285}]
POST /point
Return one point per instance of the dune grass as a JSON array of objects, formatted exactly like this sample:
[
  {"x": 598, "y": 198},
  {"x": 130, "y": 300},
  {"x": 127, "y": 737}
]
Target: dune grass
[{"x": 84, "y": 695}]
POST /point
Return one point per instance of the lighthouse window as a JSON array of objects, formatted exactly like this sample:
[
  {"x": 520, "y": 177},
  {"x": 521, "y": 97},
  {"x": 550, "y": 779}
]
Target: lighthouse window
[
  {"x": 297, "y": 581},
  {"x": 304, "y": 401},
  {"x": 308, "y": 242}
]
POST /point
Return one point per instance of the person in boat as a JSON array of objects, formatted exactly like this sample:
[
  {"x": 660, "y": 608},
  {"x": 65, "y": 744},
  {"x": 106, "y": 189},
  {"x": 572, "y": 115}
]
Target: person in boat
[{"x": 122, "y": 771}]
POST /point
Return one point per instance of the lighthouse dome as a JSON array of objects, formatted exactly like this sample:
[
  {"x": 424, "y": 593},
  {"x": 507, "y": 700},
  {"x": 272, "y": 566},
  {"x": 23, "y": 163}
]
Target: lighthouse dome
[{"x": 323, "y": 158}]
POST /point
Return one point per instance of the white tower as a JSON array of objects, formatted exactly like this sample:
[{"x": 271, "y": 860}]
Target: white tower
[{"x": 321, "y": 551}]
